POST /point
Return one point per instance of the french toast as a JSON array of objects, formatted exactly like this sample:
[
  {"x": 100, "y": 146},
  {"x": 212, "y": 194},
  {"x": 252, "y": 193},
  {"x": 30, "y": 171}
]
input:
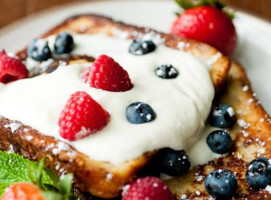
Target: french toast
[
  {"x": 251, "y": 133},
  {"x": 99, "y": 178},
  {"x": 252, "y": 140}
]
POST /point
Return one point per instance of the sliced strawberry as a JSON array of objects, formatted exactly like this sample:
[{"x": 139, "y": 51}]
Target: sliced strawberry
[
  {"x": 107, "y": 74},
  {"x": 23, "y": 191},
  {"x": 11, "y": 69},
  {"x": 81, "y": 117}
]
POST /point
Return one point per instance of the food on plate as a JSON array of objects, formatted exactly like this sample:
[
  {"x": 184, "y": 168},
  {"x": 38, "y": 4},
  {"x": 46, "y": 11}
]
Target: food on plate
[
  {"x": 109, "y": 155},
  {"x": 134, "y": 112}
]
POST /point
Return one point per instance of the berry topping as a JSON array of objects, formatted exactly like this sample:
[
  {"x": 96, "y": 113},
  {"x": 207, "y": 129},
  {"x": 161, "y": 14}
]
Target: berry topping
[
  {"x": 23, "y": 191},
  {"x": 221, "y": 184},
  {"x": 150, "y": 188},
  {"x": 206, "y": 22},
  {"x": 222, "y": 116},
  {"x": 81, "y": 117},
  {"x": 39, "y": 50},
  {"x": 173, "y": 163},
  {"x": 139, "y": 113},
  {"x": 166, "y": 72},
  {"x": 219, "y": 141},
  {"x": 107, "y": 74},
  {"x": 64, "y": 43},
  {"x": 11, "y": 69},
  {"x": 139, "y": 48},
  {"x": 258, "y": 174}
]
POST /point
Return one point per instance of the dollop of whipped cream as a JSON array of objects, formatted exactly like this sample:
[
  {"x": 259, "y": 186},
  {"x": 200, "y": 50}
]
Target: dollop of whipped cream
[{"x": 181, "y": 104}]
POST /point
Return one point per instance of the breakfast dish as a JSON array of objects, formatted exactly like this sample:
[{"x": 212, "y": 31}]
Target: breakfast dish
[
  {"x": 116, "y": 105},
  {"x": 94, "y": 174}
]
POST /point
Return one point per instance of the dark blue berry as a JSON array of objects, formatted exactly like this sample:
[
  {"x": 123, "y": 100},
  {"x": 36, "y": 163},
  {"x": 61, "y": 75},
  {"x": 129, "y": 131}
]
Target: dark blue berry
[
  {"x": 139, "y": 113},
  {"x": 222, "y": 116},
  {"x": 221, "y": 184},
  {"x": 166, "y": 72},
  {"x": 173, "y": 163},
  {"x": 258, "y": 174},
  {"x": 219, "y": 141},
  {"x": 63, "y": 43},
  {"x": 141, "y": 47},
  {"x": 39, "y": 50}
]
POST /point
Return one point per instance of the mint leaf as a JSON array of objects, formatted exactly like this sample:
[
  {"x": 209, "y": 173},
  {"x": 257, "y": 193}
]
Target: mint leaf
[
  {"x": 14, "y": 168},
  {"x": 49, "y": 195},
  {"x": 65, "y": 184}
]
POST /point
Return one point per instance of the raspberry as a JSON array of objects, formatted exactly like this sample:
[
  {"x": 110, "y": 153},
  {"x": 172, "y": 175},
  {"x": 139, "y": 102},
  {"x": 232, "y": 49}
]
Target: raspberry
[
  {"x": 81, "y": 117},
  {"x": 150, "y": 188},
  {"x": 23, "y": 191},
  {"x": 11, "y": 69},
  {"x": 107, "y": 74}
]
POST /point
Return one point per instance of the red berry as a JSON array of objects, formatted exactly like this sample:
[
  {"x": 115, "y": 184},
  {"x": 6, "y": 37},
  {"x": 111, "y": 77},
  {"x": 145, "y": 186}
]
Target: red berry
[
  {"x": 11, "y": 69},
  {"x": 107, "y": 74},
  {"x": 209, "y": 25},
  {"x": 150, "y": 188},
  {"x": 23, "y": 191},
  {"x": 81, "y": 117}
]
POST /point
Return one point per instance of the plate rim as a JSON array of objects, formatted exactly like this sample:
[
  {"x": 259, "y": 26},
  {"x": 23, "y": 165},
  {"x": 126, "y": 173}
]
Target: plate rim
[{"x": 27, "y": 19}]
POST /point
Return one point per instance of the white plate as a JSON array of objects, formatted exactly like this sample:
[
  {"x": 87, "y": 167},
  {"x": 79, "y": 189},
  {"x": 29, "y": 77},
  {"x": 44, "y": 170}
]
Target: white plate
[{"x": 254, "y": 49}]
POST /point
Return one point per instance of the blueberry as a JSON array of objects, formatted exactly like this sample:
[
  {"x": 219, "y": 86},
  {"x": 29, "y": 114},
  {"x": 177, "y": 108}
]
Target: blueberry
[
  {"x": 258, "y": 174},
  {"x": 219, "y": 141},
  {"x": 221, "y": 184},
  {"x": 139, "y": 113},
  {"x": 222, "y": 116},
  {"x": 173, "y": 163},
  {"x": 166, "y": 72},
  {"x": 64, "y": 43},
  {"x": 39, "y": 50},
  {"x": 142, "y": 47}
]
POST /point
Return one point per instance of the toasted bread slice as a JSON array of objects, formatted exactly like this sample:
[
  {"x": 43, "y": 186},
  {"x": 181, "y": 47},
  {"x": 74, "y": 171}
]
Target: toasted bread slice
[
  {"x": 101, "y": 179},
  {"x": 252, "y": 140}
]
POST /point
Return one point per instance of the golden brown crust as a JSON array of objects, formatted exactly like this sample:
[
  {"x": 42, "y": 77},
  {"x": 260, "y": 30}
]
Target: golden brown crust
[
  {"x": 90, "y": 175},
  {"x": 93, "y": 175},
  {"x": 252, "y": 133}
]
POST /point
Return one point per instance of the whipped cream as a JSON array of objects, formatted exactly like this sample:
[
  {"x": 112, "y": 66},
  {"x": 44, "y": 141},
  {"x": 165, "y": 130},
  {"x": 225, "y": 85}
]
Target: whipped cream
[{"x": 181, "y": 104}]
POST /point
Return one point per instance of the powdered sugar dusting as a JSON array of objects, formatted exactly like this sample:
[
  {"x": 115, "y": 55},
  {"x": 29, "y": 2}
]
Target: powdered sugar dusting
[
  {"x": 13, "y": 126},
  {"x": 268, "y": 189},
  {"x": 29, "y": 137},
  {"x": 214, "y": 58},
  {"x": 109, "y": 176},
  {"x": 119, "y": 33},
  {"x": 155, "y": 37},
  {"x": 61, "y": 146},
  {"x": 245, "y": 88},
  {"x": 182, "y": 45}
]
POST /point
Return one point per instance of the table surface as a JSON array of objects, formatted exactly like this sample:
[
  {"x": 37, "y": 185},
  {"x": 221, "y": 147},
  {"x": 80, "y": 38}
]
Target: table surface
[{"x": 12, "y": 10}]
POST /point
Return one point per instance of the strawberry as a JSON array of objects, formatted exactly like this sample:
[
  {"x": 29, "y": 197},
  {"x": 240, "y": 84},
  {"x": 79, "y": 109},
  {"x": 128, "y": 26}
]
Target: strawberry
[
  {"x": 11, "y": 69},
  {"x": 107, "y": 74},
  {"x": 206, "y": 22},
  {"x": 23, "y": 191},
  {"x": 150, "y": 188},
  {"x": 81, "y": 117}
]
